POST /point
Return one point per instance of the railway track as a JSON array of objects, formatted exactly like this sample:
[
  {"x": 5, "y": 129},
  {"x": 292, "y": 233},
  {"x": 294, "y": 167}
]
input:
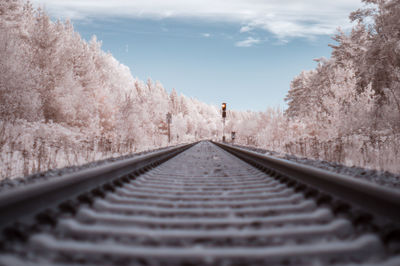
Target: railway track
[{"x": 201, "y": 205}]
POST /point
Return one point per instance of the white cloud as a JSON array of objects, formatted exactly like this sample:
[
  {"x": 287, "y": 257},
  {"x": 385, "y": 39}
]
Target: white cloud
[
  {"x": 206, "y": 35},
  {"x": 246, "y": 28},
  {"x": 284, "y": 18},
  {"x": 250, "y": 41}
]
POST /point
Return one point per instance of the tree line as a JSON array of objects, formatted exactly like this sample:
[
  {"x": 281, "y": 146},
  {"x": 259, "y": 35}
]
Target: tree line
[{"x": 65, "y": 101}]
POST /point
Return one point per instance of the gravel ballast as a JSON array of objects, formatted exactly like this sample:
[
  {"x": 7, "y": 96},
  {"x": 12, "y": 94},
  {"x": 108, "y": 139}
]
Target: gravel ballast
[
  {"x": 382, "y": 178},
  {"x": 11, "y": 183}
]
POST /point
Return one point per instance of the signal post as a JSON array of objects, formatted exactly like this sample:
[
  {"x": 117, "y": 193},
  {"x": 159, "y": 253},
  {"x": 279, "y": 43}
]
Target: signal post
[
  {"x": 169, "y": 120},
  {"x": 223, "y": 119}
]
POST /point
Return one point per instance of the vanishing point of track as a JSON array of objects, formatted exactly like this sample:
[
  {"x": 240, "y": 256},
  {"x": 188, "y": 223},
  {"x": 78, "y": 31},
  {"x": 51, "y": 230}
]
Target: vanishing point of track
[{"x": 201, "y": 204}]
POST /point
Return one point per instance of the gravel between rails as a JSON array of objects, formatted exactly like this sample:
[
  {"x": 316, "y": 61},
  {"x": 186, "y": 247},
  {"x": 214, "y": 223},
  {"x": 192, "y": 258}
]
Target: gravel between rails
[{"x": 383, "y": 178}]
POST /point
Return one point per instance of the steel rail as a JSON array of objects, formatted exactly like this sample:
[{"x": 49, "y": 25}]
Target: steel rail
[
  {"x": 366, "y": 195},
  {"x": 144, "y": 218},
  {"x": 24, "y": 202}
]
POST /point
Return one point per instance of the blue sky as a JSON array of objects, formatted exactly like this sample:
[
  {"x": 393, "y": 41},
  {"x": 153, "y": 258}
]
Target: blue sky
[{"x": 239, "y": 53}]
